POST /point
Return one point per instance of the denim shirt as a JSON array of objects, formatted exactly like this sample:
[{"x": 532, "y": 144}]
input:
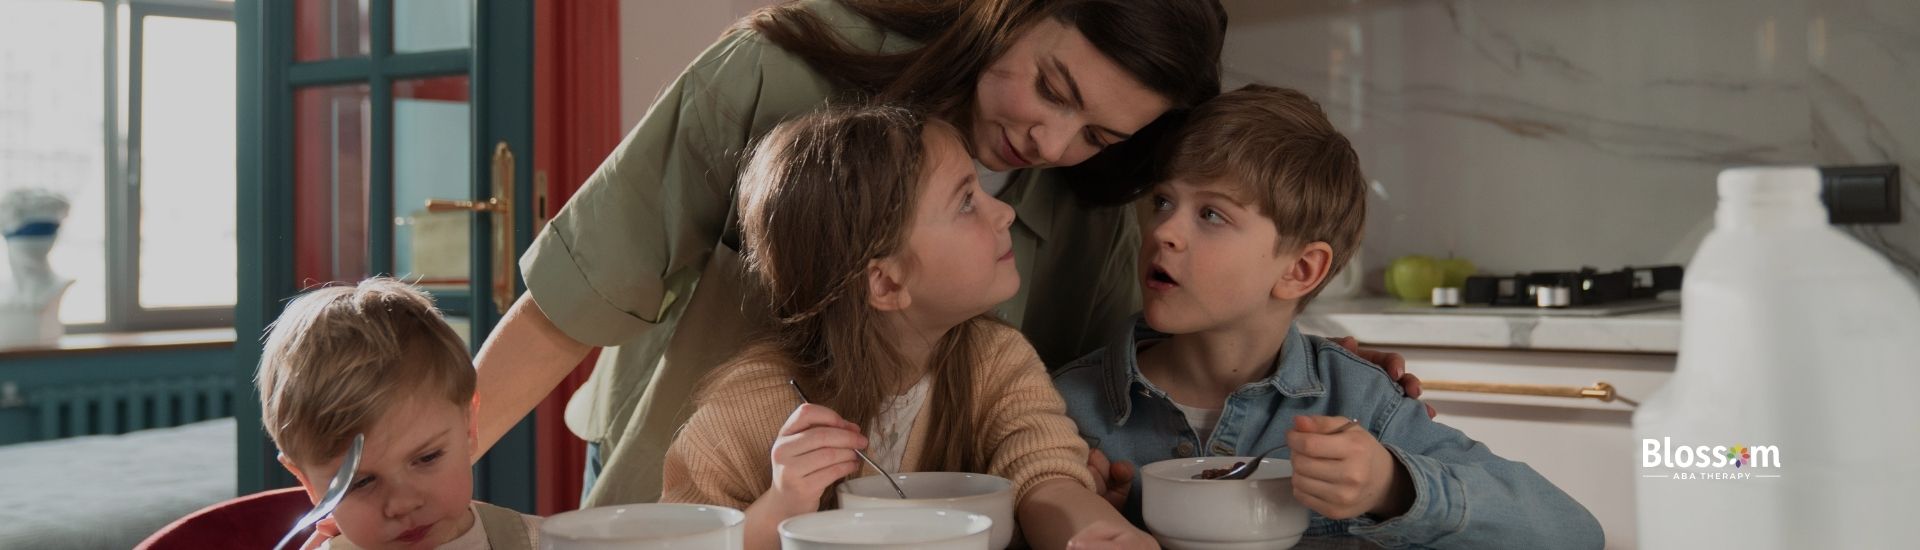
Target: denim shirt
[{"x": 1465, "y": 496}]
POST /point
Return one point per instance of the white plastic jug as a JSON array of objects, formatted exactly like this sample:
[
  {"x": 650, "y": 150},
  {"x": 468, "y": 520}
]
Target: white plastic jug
[{"x": 1793, "y": 418}]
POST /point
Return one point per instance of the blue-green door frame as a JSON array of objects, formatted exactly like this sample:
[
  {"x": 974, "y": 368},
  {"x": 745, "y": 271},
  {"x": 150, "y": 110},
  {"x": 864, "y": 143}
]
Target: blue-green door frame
[{"x": 500, "y": 65}]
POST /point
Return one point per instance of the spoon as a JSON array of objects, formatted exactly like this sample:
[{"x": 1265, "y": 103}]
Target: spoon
[
  {"x": 1245, "y": 470},
  {"x": 335, "y": 491},
  {"x": 863, "y": 456}
]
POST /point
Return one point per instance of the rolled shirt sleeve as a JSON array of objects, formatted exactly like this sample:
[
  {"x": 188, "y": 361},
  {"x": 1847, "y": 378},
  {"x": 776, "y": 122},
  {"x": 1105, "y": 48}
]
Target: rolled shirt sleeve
[{"x": 632, "y": 241}]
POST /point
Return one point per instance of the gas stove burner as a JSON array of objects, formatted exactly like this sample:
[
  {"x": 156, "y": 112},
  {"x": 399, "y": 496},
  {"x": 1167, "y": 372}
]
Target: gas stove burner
[{"x": 1559, "y": 289}]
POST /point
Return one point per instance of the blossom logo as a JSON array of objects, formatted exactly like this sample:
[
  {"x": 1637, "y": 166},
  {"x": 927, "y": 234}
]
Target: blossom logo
[
  {"x": 1739, "y": 455},
  {"x": 1716, "y": 460}
]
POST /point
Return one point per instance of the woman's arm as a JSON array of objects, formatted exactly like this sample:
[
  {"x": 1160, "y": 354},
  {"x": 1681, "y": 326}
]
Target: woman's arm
[
  {"x": 631, "y": 241},
  {"x": 521, "y": 362}
]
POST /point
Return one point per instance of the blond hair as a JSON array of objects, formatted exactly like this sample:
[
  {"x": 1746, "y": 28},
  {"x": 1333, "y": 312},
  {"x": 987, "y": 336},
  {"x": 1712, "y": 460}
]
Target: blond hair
[
  {"x": 1275, "y": 148},
  {"x": 339, "y": 357}
]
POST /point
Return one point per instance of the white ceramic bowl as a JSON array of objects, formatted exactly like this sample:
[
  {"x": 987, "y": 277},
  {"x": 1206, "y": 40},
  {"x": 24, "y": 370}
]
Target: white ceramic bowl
[
  {"x": 983, "y": 494},
  {"x": 648, "y": 526},
  {"x": 1184, "y": 512},
  {"x": 917, "y": 528}
]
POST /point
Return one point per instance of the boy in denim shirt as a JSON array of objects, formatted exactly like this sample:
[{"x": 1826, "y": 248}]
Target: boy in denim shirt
[{"x": 1263, "y": 204}]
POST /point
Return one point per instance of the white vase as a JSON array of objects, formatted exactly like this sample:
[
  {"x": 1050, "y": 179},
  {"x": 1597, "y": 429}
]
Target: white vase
[{"x": 30, "y": 305}]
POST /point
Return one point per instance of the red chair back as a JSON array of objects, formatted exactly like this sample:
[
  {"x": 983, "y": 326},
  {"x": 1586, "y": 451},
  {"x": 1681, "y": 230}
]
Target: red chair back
[{"x": 253, "y": 521}]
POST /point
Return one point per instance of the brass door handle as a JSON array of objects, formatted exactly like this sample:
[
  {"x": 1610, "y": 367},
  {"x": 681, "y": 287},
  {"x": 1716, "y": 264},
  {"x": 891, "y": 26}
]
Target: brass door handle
[
  {"x": 501, "y": 207},
  {"x": 1599, "y": 390},
  {"x": 446, "y": 205}
]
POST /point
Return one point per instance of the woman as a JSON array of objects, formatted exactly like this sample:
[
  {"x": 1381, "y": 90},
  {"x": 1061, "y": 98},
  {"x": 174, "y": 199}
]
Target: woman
[{"x": 644, "y": 258}]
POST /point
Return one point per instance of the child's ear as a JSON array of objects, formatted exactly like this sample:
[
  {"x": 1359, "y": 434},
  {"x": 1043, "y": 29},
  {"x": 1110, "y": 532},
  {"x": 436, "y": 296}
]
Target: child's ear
[
  {"x": 473, "y": 423},
  {"x": 886, "y": 288},
  {"x": 313, "y": 493},
  {"x": 1304, "y": 271}
]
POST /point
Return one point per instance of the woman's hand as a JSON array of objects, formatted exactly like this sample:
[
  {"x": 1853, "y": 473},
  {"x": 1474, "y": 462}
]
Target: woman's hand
[
  {"x": 815, "y": 448},
  {"x": 1342, "y": 474},
  {"x": 1111, "y": 480},
  {"x": 1395, "y": 365}
]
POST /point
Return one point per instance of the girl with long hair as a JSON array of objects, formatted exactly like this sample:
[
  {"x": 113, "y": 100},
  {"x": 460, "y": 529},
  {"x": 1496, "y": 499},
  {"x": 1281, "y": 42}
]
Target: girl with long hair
[{"x": 868, "y": 232}]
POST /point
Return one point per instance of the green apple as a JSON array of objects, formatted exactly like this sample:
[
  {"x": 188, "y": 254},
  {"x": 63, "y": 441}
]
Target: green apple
[
  {"x": 1392, "y": 290},
  {"x": 1456, "y": 271},
  {"x": 1412, "y": 278}
]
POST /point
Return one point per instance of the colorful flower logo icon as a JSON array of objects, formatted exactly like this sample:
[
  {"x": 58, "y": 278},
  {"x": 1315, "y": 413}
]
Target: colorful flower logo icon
[{"x": 1740, "y": 456}]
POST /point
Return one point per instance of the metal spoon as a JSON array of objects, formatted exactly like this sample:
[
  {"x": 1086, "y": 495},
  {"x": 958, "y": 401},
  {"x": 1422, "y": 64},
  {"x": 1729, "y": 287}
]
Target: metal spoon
[
  {"x": 1246, "y": 470},
  {"x": 863, "y": 456},
  {"x": 336, "y": 489}
]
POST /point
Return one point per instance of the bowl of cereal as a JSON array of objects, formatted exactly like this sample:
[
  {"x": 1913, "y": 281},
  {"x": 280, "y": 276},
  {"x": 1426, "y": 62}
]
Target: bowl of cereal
[{"x": 1185, "y": 508}]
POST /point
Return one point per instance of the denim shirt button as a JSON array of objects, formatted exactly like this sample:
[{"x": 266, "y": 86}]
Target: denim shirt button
[{"x": 1183, "y": 450}]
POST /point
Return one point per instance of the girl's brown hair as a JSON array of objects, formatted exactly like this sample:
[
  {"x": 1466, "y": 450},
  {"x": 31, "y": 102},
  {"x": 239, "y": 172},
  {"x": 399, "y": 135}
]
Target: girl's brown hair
[
  {"x": 1170, "y": 46},
  {"x": 820, "y": 198}
]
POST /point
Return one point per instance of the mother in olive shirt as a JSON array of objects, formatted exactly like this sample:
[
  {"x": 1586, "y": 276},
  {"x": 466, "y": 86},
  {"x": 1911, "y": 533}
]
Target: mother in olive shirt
[{"x": 643, "y": 260}]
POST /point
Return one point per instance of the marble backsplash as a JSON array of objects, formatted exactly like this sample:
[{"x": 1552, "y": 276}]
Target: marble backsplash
[{"x": 1535, "y": 134}]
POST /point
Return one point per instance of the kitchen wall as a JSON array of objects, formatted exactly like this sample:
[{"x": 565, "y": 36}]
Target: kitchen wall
[{"x": 1528, "y": 134}]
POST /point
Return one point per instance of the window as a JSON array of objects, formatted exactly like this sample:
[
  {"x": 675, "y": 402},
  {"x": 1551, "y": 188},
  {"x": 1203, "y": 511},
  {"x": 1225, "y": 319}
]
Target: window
[{"x": 127, "y": 107}]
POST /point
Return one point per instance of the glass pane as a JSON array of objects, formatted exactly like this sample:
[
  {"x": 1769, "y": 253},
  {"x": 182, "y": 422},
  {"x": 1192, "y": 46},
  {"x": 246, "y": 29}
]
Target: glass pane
[
  {"x": 432, "y": 159},
  {"x": 187, "y": 164},
  {"x": 430, "y": 25},
  {"x": 332, "y": 132},
  {"x": 326, "y": 29},
  {"x": 52, "y": 136}
]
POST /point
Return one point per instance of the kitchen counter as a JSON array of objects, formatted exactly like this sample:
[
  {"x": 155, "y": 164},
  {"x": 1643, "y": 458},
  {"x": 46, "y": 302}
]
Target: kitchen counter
[{"x": 1374, "y": 321}]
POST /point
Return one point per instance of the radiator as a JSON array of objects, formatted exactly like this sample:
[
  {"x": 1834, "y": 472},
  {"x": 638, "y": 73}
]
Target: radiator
[{"x": 121, "y": 407}]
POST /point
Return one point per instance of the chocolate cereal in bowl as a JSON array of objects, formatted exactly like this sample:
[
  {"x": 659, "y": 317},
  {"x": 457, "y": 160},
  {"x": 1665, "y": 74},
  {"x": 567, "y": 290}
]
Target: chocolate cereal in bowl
[{"x": 1185, "y": 508}]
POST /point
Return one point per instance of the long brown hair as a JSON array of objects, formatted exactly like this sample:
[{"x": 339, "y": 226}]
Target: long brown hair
[
  {"x": 1170, "y": 46},
  {"x": 820, "y": 198}
]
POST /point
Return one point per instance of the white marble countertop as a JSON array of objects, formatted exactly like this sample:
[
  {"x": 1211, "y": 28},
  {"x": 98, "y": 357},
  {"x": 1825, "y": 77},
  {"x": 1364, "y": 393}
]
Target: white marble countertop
[{"x": 1373, "y": 321}]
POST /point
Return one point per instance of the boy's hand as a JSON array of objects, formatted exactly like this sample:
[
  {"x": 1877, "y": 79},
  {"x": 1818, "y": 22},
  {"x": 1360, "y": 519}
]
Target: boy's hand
[
  {"x": 1112, "y": 481},
  {"x": 1393, "y": 363},
  {"x": 815, "y": 449},
  {"x": 1103, "y": 535},
  {"x": 1342, "y": 475}
]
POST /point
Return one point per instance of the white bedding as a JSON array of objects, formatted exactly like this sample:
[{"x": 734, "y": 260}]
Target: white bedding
[{"x": 112, "y": 491}]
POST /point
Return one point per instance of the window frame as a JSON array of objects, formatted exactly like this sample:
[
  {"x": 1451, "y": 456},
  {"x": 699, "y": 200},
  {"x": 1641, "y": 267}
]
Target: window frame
[{"x": 124, "y": 25}]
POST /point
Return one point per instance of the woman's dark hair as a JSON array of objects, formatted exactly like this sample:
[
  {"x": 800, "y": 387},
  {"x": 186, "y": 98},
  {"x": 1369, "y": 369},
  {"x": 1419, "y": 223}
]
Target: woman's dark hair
[{"x": 1171, "y": 46}]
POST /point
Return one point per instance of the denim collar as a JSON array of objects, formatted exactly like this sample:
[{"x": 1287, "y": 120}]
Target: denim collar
[{"x": 1294, "y": 375}]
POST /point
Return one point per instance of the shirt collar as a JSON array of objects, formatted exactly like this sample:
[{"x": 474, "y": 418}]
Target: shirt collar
[
  {"x": 1295, "y": 375},
  {"x": 1033, "y": 198}
]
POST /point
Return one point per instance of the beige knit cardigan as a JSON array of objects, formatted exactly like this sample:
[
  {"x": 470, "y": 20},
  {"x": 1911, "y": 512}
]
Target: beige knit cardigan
[{"x": 722, "y": 456}]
